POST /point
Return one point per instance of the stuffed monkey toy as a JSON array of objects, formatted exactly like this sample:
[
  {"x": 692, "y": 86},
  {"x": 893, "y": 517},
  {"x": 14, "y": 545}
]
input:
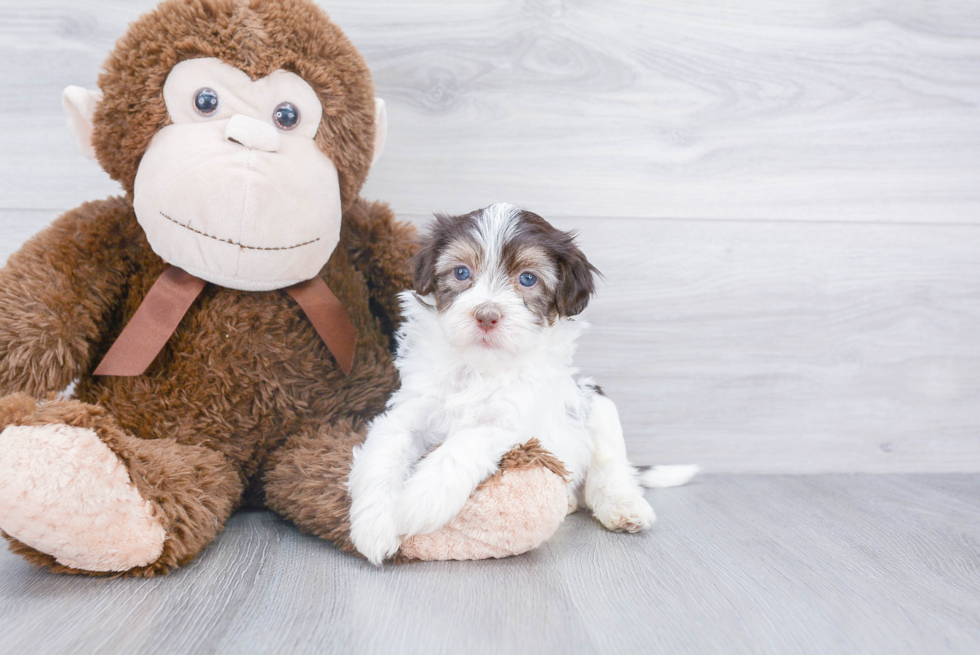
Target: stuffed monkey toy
[{"x": 227, "y": 321}]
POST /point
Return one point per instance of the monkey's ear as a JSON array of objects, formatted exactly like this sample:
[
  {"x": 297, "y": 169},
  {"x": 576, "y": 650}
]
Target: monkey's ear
[
  {"x": 380, "y": 129},
  {"x": 79, "y": 106}
]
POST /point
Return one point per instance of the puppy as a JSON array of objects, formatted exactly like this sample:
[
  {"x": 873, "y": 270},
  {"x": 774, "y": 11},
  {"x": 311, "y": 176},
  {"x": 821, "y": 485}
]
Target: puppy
[{"x": 485, "y": 357}]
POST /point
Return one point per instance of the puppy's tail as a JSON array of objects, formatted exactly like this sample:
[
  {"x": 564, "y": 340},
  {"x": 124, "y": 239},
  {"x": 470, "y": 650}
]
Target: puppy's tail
[{"x": 660, "y": 477}]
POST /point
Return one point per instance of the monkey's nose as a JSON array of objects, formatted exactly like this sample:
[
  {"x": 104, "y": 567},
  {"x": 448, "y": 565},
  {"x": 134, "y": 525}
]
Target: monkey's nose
[
  {"x": 252, "y": 133},
  {"x": 487, "y": 317}
]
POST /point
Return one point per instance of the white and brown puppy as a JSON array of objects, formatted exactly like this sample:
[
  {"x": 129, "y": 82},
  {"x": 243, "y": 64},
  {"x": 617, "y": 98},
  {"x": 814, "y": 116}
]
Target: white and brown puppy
[{"x": 485, "y": 357}]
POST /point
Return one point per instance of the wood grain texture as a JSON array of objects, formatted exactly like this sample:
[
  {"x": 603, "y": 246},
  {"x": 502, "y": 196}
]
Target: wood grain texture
[
  {"x": 788, "y": 347},
  {"x": 822, "y": 315},
  {"x": 777, "y": 346},
  {"x": 840, "y": 336},
  {"x": 744, "y": 564},
  {"x": 811, "y": 110}
]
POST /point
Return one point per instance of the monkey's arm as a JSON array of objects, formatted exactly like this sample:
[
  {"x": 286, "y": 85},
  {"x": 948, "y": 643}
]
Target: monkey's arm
[
  {"x": 57, "y": 294},
  {"x": 380, "y": 248}
]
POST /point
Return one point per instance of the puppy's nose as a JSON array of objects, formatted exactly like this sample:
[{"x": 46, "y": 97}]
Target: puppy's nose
[{"x": 487, "y": 317}]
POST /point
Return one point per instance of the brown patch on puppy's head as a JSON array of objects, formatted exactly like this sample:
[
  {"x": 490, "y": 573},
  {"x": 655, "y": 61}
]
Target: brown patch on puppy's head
[
  {"x": 535, "y": 243},
  {"x": 502, "y": 277},
  {"x": 449, "y": 240},
  {"x": 255, "y": 36},
  {"x": 504, "y": 242}
]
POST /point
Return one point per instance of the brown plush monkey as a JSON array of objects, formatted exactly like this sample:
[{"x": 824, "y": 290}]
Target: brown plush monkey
[{"x": 257, "y": 292}]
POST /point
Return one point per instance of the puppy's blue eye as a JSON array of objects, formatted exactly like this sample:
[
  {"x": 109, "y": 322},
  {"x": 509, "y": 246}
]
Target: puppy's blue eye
[
  {"x": 461, "y": 273},
  {"x": 206, "y": 101},
  {"x": 528, "y": 279}
]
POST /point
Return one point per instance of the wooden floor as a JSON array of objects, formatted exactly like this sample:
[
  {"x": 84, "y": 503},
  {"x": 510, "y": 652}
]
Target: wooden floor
[{"x": 883, "y": 564}]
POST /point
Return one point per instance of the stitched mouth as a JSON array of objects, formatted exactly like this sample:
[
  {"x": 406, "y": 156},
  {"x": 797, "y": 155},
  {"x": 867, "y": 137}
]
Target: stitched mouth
[{"x": 235, "y": 243}]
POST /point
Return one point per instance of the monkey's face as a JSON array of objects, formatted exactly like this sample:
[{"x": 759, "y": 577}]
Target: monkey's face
[{"x": 235, "y": 190}]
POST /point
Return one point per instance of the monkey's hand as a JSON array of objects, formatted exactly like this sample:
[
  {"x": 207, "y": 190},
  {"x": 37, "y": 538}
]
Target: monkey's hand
[
  {"x": 513, "y": 511},
  {"x": 58, "y": 293},
  {"x": 446, "y": 478}
]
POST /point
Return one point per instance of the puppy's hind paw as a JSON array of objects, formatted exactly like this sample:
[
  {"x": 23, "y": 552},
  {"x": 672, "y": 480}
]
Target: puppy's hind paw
[{"x": 625, "y": 514}]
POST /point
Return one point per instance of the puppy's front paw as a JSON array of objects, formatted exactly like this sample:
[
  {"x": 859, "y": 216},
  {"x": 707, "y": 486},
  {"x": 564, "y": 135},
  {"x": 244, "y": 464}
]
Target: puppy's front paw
[
  {"x": 417, "y": 514},
  {"x": 375, "y": 535},
  {"x": 625, "y": 513},
  {"x": 424, "y": 507}
]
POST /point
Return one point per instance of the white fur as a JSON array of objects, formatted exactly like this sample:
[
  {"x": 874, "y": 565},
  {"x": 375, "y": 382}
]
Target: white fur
[
  {"x": 477, "y": 395},
  {"x": 661, "y": 477}
]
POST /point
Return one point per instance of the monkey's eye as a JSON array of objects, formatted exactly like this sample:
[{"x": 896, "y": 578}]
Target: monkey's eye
[
  {"x": 285, "y": 116},
  {"x": 528, "y": 279},
  {"x": 206, "y": 101},
  {"x": 461, "y": 273}
]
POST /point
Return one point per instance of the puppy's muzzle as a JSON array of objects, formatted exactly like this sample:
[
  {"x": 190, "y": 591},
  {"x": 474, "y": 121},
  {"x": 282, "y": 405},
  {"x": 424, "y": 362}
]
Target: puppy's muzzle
[{"x": 487, "y": 316}]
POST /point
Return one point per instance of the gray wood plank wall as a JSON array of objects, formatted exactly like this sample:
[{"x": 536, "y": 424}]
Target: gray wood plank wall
[{"x": 784, "y": 197}]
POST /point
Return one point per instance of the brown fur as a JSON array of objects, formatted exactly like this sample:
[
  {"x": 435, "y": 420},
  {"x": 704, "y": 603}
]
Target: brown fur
[
  {"x": 257, "y": 37},
  {"x": 443, "y": 231},
  {"x": 576, "y": 275},
  {"x": 520, "y": 458},
  {"x": 453, "y": 240},
  {"x": 245, "y": 396},
  {"x": 192, "y": 489},
  {"x": 243, "y": 373},
  {"x": 529, "y": 455}
]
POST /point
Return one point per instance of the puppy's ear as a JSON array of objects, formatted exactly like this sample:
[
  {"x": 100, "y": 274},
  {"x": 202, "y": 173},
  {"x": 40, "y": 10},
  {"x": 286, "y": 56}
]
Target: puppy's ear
[
  {"x": 425, "y": 268},
  {"x": 426, "y": 258},
  {"x": 576, "y": 279}
]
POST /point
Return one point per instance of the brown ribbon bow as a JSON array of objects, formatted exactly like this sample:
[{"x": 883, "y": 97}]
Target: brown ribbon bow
[{"x": 175, "y": 291}]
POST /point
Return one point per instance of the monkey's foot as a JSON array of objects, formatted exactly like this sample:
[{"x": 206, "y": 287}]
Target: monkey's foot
[
  {"x": 515, "y": 510},
  {"x": 64, "y": 493}
]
